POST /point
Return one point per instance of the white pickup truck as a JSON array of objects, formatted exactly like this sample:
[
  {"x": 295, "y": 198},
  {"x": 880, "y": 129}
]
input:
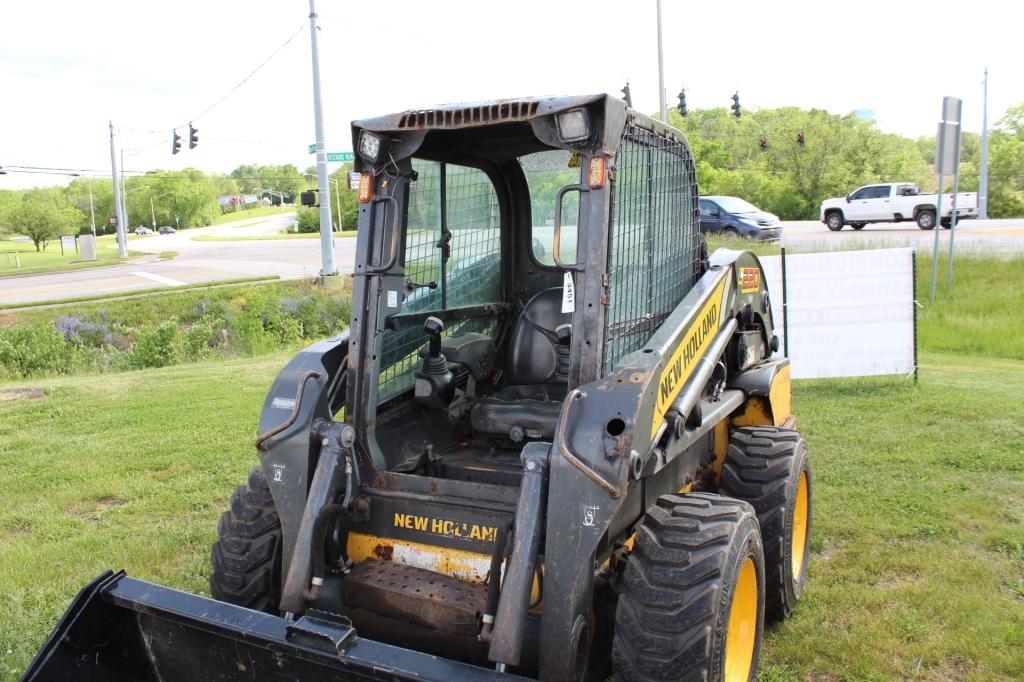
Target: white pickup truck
[{"x": 894, "y": 202}]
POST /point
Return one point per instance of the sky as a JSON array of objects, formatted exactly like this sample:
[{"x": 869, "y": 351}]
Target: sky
[{"x": 68, "y": 67}]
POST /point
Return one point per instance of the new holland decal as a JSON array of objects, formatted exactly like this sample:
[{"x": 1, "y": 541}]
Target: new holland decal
[
  {"x": 691, "y": 348},
  {"x": 446, "y": 527}
]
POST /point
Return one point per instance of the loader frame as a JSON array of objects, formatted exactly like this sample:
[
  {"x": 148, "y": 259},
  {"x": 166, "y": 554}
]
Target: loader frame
[{"x": 651, "y": 395}]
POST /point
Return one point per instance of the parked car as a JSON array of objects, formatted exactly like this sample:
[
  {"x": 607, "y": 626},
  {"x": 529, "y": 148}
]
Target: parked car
[
  {"x": 167, "y": 229},
  {"x": 732, "y": 216},
  {"x": 143, "y": 230},
  {"x": 894, "y": 202}
]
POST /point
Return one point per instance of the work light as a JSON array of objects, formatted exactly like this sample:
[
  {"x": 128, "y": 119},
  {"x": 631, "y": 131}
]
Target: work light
[
  {"x": 369, "y": 145},
  {"x": 573, "y": 126}
]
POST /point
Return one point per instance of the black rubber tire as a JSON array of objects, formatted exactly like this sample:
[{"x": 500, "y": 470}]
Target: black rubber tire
[
  {"x": 858, "y": 226},
  {"x": 925, "y": 219},
  {"x": 730, "y": 233},
  {"x": 834, "y": 221},
  {"x": 763, "y": 467},
  {"x": 247, "y": 554},
  {"x": 946, "y": 223},
  {"x": 677, "y": 589}
]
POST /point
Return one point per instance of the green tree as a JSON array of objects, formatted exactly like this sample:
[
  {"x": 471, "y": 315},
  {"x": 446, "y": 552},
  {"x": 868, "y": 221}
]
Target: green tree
[{"x": 40, "y": 215}]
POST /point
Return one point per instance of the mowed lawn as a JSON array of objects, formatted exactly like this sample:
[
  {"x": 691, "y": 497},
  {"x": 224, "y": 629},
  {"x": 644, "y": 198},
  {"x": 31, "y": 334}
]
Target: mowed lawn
[
  {"x": 21, "y": 258},
  {"x": 917, "y": 570},
  {"x": 918, "y": 520}
]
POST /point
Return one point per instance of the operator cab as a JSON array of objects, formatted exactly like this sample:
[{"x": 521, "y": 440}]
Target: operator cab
[{"x": 484, "y": 227}]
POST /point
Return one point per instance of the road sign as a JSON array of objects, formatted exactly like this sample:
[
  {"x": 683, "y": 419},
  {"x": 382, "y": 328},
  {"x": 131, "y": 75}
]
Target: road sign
[
  {"x": 353, "y": 180},
  {"x": 312, "y": 148},
  {"x": 341, "y": 156}
]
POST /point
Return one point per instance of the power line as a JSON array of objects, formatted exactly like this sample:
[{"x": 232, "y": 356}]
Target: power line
[{"x": 244, "y": 80}]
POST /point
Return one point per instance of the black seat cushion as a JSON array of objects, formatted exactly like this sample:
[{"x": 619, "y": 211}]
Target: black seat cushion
[
  {"x": 535, "y": 354},
  {"x": 538, "y": 374},
  {"x": 520, "y": 412}
]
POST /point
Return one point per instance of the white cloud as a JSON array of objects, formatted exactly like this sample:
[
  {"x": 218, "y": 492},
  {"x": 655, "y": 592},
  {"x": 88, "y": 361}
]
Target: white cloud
[{"x": 153, "y": 65}]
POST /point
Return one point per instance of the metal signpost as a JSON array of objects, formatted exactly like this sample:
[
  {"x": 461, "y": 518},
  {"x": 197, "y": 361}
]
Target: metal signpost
[{"x": 947, "y": 156}]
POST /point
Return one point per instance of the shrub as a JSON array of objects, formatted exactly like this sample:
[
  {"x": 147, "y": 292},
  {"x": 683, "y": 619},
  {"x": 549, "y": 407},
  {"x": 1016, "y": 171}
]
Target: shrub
[
  {"x": 155, "y": 347},
  {"x": 38, "y": 349}
]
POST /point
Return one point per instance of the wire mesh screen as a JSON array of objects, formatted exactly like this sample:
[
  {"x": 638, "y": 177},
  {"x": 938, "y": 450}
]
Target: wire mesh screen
[
  {"x": 654, "y": 238},
  {"x": 473, "y": 271}
]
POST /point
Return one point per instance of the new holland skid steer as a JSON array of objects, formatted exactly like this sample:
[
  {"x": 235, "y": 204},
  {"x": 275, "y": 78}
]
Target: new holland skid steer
[{"x": 555, "y": 441}]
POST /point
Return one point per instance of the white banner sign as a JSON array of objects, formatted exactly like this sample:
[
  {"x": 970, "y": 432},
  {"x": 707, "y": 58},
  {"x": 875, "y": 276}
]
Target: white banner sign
[{"x": 851, "y": 313}]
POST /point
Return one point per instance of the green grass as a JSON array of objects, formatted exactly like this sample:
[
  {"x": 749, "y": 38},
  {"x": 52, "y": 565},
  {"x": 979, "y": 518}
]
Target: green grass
[
  {"x": 918, "y": 540},
  {"x": 51, "y": 260},
  {"x": 257, "y": 212},
  {"x": 917, "y": 569},
  {"x": 139, "y": 293},
  {"x": 264, "y": 237}
]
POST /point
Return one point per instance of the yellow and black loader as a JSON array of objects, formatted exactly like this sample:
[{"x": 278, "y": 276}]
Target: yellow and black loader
[{"x": 555, "y": 442}]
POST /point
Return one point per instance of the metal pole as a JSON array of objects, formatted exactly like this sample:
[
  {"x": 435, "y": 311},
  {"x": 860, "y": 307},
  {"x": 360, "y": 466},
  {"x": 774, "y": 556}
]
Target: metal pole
[
  {"x": 661, "y": 72},
  {"x": 92, "y": 209},
  {"x": 122, "y": 246},
  {"x": 124, "y": 194},
  {"x": 152, "y": 211},
  {"x": 952, "y": 215},
  {"x": 337, "y": 204},
  {"x": 326, "y": 240},
  {"x": 983, "y": 180},
  {"x": 938, "y": 207}
]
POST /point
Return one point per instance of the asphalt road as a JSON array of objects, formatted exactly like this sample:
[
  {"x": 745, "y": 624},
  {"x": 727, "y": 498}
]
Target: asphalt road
[
  {"x": 210, "y": 261},
  {"x": 1001, "y": 237},
  {"x": 196, "y": 262}
]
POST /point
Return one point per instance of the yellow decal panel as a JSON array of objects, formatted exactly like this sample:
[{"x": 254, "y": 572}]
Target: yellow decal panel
[
  {"x": 690, "y": 349},
  {"x": 446, "y": 527},
  {"x": 750, "y": 279}
]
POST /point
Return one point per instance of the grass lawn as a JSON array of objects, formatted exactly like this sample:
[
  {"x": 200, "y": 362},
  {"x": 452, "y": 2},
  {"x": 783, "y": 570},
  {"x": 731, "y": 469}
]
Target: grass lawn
[
  {"x": 919, "y": 523},
  {"x": 51, "y": 260},
  {"x": 257, "y": 212},
  {"x": 917, "y": 571},
  {"x": 264, "y": 237}
]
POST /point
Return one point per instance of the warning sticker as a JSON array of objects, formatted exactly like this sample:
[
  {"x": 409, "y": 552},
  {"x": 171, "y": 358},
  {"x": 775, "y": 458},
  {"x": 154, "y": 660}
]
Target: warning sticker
[{"x": 750, "y": 279}]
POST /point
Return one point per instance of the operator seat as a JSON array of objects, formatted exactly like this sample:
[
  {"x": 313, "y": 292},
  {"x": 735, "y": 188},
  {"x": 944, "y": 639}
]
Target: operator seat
[{"x": 537, "y": 371}]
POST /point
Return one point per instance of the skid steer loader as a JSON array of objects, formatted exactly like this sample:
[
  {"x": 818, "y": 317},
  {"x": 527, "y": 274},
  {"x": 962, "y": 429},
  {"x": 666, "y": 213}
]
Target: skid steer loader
[{"x": 555, "y": 441}]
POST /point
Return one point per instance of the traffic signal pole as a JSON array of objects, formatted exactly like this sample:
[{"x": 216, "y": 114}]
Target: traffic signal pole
[
  {"x": 122, "y": 244},
  {"x": 326, "y": 238},
  {"x": 661, "y": 73}
]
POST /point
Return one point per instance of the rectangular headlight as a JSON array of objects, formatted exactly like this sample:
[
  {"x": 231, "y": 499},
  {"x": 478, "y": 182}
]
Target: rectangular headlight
[
  {"x": 573, "y": 125},
  {"x": 369, "y": 145}
]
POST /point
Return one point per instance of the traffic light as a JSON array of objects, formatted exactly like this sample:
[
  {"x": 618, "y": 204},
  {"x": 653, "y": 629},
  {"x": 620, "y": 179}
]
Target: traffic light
[
  {"x": 682, "y": 102},
  {"x": 800, "y": 139},
  {"x": 736, "y": 105},
  {"x": 626, "y": 96},
  {"x": 193, "y": 136},
  {"x": 764, "y": 143},
  {"x": 175, "y": 142}
]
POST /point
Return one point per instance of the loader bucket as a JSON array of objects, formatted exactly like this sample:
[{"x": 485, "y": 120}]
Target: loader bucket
[{"x": 119, "y": 628}]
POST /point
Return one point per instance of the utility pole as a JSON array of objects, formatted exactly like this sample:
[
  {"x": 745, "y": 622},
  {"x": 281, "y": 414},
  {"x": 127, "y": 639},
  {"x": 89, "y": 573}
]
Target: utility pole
[
  {"x": 661, "y": 73},
  {"x": 122, "y": 244},
  {"x": 92, "y": 209},
  {"x": 124, "y": 194},
  {"x": 337, "y": 202},
  {"x": 983, "y": 180},
  {"x": 326, "y": 238}
]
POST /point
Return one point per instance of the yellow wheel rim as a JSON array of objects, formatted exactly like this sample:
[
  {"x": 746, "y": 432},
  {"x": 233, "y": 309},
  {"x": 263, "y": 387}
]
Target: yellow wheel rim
[
  {"x": 742, "y": 631},
  {"x": 799, "y": 544}
]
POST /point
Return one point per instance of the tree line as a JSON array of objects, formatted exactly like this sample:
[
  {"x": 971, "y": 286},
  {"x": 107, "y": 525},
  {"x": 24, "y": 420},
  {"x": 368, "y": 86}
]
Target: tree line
[
  {"x": 186, "y": 198},
  {"x": 760, "y": 157}
]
